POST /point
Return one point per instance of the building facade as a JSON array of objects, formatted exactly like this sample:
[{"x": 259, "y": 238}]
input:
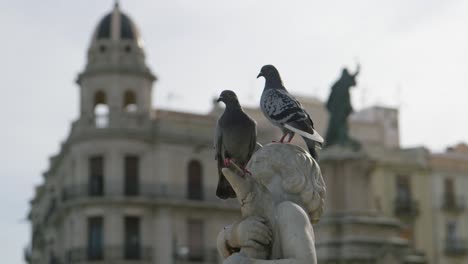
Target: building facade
[
  {"x": 449, "y": 182},
  {"x": 134, "y": 184},
  {"x": 131, "y": 184}
]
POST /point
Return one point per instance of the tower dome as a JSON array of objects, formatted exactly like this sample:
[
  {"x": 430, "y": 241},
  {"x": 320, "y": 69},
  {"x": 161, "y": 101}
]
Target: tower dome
[
  {"x": 116, "y": 26},
  {"x": 116, "y": 47}
]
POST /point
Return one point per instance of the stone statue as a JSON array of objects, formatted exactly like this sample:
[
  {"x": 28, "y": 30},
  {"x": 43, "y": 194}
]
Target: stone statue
[
  {"x": 280, "y": 200},
  {"x": 339, "y": 107}
]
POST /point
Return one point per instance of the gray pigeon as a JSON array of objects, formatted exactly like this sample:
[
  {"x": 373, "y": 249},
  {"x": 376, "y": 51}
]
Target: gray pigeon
[
  {"x": 286, "y": 112},
  {"x": 235, "y": 140}
]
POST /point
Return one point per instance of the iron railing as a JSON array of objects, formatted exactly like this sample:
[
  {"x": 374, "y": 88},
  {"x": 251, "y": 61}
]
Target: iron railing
[
  {"x": 172, "y": 192},
  {"x": 110, "y": 253},
  {"x": 406, "y": 207},
  {"x": 456, "y": 247},
  {"x": 453, "y": 203}
]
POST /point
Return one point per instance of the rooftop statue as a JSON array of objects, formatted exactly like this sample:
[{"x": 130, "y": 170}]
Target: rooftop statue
[
  {"x": 339, "y": 108},
  {"x": 280, "y": 200}
]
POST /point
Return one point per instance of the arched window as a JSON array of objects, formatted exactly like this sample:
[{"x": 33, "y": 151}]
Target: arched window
[
  {"x": 101, "y": 110},
  {"x": 195, "y": 181},
  {"x": 100, "y": 98},
  {"x": 129, "y": 101}
]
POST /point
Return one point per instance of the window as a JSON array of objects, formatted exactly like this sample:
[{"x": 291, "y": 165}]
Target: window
[
  {"x": 449, "y": 194},
  {"x": 95, "y": 238},
  {"x": 195, "y": 186},
  {"x": 100, "y": 98},
  {"x": 451, "y": 231},
  {"x": 132, "y": 238},
  {"x": 131, "y": 168},
  {"x": 129, "y": 102},
  {"x": 52, "y": 258},
  {"x": 73, "y": 170},
  {"x": 101, "y": 110},
  {"x": 195, "y": 239},
  {"x": 96, "y": 176},
  {"x": 405, "y": 206},
  {"x": 403, "y": 189}
]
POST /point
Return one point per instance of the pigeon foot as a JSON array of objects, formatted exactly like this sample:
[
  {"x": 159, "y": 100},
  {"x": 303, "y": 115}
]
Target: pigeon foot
[
  {"x": 290, "y": 138},
  {"x": 246, "y": 171},
  {"x": 282, "y": 138},
  {"x": 227, "y": 162}
]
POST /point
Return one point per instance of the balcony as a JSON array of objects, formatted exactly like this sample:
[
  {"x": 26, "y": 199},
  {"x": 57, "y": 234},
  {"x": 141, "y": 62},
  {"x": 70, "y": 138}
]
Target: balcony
[
  {"x": 169, "y": 193},
  {"x": 123, "y": 120},
  {"x": 456, "y": 247},
  {"x": 110, "y": 254},
  {"x": 453, "y": 204},
  {"x": 406, "y": 208},
  {"x": 51, "y": 209},
  {"x": 38, "y": 240}
]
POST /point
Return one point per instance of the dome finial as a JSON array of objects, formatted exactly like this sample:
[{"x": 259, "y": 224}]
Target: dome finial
[{"x": 116, "y": 3}]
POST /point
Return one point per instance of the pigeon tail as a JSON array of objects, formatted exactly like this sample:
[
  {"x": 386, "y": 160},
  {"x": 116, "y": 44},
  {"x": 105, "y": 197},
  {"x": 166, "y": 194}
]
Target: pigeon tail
[
  {"x": 312, "y": 146},
  {"x": 224, "y": 189},
  {"x": 315, "y": 136}
]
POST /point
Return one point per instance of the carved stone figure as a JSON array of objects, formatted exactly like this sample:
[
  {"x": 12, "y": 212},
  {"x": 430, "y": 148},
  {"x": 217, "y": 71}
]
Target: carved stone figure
[
  {"x": 339, "y": 108},
  {"x": 280, "y": 200}
]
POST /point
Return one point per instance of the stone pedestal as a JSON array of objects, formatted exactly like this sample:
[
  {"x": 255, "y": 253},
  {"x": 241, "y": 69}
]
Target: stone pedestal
[{"x": 351, "y": 230}]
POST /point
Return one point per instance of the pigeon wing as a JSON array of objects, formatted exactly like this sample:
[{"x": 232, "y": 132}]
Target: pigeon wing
[
  {"x": 253, "y": 139},
  {"x": 224, "y": 189},
  {"x": 218, "y": 145},
  {"x": 285, "y": 108},
  {"x": 218, "y": 141}
]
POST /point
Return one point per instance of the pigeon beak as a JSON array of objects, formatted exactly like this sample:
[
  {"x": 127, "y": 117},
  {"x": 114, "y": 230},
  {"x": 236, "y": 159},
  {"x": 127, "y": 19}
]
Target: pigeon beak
[
  {"x": 259, "y": 75},
  {"x": 219, "y": 99}
]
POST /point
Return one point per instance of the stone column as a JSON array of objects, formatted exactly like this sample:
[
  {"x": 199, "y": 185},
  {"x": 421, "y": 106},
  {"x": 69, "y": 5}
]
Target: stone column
[
  {"x": 113, "y": 228},
  {"x": 113, "y": 179},
  {"x": 348, "y": 183},
  {"x": 163, "y": 251}
]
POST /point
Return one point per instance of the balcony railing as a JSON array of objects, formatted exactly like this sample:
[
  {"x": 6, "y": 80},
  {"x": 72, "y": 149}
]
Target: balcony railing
[
  {"x": 111, "y": 253},
  {"x": 452, "y": 203},
  {"x": 116, "y": 120},
  {"x": 171, "y": 192},
  {"x": 456, "y": 247},
  {"x": 54, "y": 260},
  {"x": 406, "y": 207},
  {"x": 50, "y": 210},
  {"x": 38, "y": 240}
]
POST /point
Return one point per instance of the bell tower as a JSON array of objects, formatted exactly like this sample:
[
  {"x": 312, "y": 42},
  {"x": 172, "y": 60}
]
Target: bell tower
[{"x": 116, "y": 84}]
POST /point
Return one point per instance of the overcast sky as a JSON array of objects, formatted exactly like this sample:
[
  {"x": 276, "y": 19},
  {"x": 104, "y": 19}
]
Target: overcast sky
[{"x": 413, "y": 56}]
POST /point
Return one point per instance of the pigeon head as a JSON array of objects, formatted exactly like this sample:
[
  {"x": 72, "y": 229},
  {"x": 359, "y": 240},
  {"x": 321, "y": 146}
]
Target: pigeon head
[
  {"x": 228, "y": 97},
  {"x": 271, "y": 75},
  {"x": 268, "y": 71}
]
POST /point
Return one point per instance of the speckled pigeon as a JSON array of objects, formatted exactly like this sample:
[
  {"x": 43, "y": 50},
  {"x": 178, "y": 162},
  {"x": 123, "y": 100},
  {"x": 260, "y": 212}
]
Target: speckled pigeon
[
  {"x": 235, "y": 140},
  {"x": 286, "y": 112}
]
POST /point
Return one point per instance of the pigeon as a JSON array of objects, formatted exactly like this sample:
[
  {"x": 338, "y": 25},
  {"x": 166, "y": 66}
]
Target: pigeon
[
  {"x": 235, "y": 140},
  {"x": 286, "y": 112}
]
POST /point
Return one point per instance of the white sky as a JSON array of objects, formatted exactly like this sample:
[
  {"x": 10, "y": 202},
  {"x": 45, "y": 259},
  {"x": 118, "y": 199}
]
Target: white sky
[{"x": 413, "y": 55}]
